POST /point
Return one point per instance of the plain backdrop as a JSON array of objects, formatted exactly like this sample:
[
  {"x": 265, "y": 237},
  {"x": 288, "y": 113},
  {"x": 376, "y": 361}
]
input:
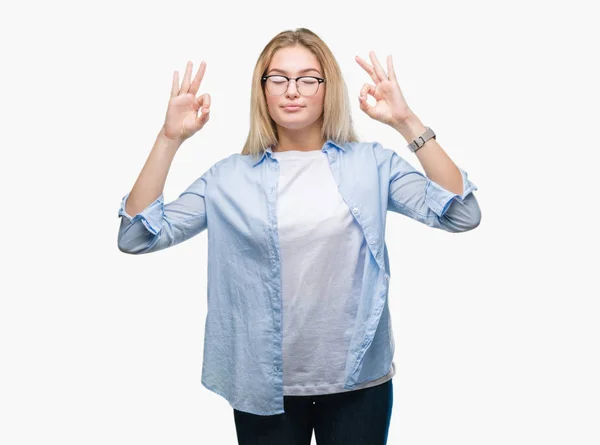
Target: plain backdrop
[{"x": 496, "y": 329}]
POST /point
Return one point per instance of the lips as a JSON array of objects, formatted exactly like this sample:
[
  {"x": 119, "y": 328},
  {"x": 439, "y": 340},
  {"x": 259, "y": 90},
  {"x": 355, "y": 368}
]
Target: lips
[{"x": 293, "y": 106}]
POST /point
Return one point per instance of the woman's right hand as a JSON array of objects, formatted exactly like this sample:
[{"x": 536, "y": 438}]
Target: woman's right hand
[{"x": 182, "y": 120}]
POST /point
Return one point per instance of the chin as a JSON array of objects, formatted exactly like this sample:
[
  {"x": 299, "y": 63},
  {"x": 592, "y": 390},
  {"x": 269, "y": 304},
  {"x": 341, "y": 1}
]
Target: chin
[{"x": 294, "y": 123}]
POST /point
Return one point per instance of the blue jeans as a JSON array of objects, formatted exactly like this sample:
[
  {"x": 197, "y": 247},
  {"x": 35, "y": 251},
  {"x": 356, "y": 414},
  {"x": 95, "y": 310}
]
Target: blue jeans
[{"x": 359, "y": 417}]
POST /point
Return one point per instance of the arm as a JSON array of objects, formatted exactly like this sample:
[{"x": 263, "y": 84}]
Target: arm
[
  {"x": 420, "y": 197},
  {"x": 160, "y": 225},
  {"x": 414, "y": 195},
  {"x": 437, "y": 164},
  {"x": 151, "y": 180},
  {"x": 156, "y": 226},
  {"x": 442, "y": 199}
]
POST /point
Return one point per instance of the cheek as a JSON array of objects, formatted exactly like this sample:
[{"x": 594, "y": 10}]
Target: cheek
[
  {"x": 270, "y": 105},
  {"x": 317, "y": 103},
  {"x": 320, "y": 99}
]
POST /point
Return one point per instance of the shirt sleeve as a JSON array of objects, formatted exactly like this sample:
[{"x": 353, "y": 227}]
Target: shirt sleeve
[
  {"x": 413, "y": 194},
  {"x": 161, "y": 225}
]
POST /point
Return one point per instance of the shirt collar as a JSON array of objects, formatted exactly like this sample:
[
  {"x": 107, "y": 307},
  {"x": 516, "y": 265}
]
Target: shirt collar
[{"x": 269, "y": 150}]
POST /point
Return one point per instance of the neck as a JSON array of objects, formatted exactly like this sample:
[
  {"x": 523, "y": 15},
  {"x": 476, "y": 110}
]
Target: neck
[{"x": 305, "y": 139}]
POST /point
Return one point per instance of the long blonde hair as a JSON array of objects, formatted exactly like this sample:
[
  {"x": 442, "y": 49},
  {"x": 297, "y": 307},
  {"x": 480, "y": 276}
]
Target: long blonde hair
[{"x": 337, "y": 115}]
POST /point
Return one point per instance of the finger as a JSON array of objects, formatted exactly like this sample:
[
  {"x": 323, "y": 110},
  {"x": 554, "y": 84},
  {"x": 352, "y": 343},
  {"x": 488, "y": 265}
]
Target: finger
[
  {"x": 198, "y": 79},
  {"x": 378, "y": 68},
  {"x": 368, "y": 68},
  {"x": 203, "y": 118},
  {"x": 364, "y": 104},
  {"x": 367, "y": 88},
  {"x": 390, "y": 66},
  {"x": 185, "y": 86},
  {"x": 204, "y": 101},
  {"x": 175, "y": 85}
]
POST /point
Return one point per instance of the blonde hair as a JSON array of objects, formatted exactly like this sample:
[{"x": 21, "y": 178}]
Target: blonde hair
[{"x": 337, "y": 115}]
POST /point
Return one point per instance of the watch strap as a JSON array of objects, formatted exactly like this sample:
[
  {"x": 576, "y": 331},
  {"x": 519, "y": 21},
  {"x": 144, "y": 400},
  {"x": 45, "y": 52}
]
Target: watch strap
[{"x": 420, "y": 141}]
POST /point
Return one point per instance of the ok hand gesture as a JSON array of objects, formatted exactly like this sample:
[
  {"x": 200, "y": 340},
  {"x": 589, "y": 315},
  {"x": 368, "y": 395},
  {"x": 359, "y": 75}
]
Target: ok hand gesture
[
  {"x": 182, "y": 120},
  {"x": 390, "y": 107}
]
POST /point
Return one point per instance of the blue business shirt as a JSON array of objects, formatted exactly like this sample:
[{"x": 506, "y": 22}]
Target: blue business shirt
[{"x": 235, "y": 200}]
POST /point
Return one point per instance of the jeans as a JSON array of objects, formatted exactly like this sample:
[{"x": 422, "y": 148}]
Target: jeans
[{"x": 359, "y": 417}]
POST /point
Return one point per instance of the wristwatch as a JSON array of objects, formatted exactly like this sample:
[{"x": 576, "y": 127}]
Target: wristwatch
[{"x": 420, "y": 141}]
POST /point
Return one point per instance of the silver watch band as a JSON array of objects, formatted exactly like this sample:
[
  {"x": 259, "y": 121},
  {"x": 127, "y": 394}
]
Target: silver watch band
[{"x": 420, "y": 141}]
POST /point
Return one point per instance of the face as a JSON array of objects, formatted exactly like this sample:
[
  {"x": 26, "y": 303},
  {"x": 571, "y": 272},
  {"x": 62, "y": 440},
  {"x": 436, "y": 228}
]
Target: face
[{"x": 294, "y": 62}]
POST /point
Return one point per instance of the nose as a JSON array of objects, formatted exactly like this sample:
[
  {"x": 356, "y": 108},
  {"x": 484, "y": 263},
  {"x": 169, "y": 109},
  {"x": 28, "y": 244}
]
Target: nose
[{"x": 292, "y": 90}]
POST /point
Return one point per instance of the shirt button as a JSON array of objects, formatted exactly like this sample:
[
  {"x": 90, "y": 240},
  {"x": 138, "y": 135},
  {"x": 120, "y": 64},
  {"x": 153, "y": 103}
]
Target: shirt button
[
  {"x": 387, "y": 277},
  {"x": 355, "y": 210}
]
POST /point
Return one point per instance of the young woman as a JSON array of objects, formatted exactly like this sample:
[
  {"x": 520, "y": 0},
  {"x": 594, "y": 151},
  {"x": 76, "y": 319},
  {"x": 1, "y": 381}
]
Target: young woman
[{"x": 298, "y": 334}]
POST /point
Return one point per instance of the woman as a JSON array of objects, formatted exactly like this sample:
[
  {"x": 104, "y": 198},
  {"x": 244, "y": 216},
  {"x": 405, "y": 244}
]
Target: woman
[{"x": 298, "y": 331}]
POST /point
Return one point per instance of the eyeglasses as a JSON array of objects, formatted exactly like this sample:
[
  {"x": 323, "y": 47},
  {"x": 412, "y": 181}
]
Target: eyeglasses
[{"x": 306, "y": 85}]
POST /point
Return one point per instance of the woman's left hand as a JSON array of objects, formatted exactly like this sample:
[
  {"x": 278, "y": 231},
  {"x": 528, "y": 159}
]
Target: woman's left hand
[{"x": 390, "y": 107}]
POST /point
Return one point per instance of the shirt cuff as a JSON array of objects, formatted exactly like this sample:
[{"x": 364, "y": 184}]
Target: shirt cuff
[
  {"x": 439, "y": 199},
  {"x": 151, "y": 216}
]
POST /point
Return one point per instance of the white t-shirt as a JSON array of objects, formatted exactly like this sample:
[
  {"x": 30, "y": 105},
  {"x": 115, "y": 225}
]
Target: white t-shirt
[{"x": 322, "y": 259}]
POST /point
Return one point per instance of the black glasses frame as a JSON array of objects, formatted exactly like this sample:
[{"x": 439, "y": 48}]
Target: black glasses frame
[{"x": 319, "y": 79}]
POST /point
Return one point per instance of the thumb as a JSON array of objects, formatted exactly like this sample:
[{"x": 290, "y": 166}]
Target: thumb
[
  {"x": 364, "y": 105},
  {"x": 201, "y": 120}
]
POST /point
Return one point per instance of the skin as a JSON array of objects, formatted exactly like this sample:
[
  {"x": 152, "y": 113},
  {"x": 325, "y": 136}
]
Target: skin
[
  {"x": 299, "y": 130},
  {"x": 391, "y": 109}
]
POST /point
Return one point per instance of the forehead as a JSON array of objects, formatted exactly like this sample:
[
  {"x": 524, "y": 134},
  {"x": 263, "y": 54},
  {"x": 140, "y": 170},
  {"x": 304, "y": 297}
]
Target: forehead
[{"x": 293, "y": 60}]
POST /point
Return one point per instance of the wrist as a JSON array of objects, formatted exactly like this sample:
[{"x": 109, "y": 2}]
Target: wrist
[
  {"x": 167, "y": 143},
  {"x": 411, "y": 128}
]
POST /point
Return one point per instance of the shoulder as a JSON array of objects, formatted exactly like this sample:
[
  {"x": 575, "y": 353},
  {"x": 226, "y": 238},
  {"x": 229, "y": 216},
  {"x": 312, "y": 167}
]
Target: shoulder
[
  {"x": 370, "y": 149},
  {"x": 360, "y": 146},
  {"x": 232, "y": 169},
  {"x": 223, "y": 165}
]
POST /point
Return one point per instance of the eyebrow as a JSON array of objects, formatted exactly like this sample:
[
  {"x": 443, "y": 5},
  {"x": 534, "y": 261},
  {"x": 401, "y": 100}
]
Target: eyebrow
[{"x": 307, "y": 70}]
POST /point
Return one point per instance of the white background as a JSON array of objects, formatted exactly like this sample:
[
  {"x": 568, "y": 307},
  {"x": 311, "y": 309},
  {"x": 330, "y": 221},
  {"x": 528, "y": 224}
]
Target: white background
[{"x": 497, "y": 335}]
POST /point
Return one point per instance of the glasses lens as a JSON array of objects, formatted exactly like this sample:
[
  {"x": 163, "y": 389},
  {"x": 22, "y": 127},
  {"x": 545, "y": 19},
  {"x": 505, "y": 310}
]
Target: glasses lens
[
  {"x": 307, "y": 86},
  {"x": 276, "y": 85}
]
